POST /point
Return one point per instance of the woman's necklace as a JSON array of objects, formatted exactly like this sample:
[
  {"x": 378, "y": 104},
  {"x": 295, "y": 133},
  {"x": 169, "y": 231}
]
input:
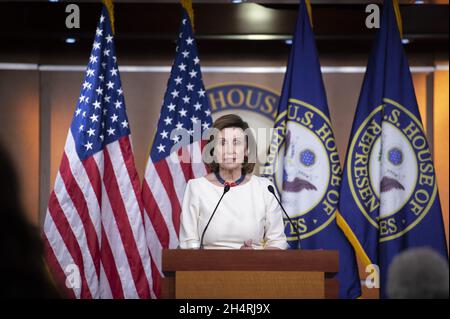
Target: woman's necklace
[{"x": 235, "y": 183}]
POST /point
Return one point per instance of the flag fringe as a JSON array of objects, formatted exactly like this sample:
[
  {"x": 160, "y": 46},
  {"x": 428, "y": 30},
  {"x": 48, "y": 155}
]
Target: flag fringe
[{"x": 353, "y": 240}]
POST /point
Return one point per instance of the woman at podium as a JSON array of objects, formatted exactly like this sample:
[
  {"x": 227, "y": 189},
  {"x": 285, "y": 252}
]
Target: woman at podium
[{"x": 247, "y": 216}]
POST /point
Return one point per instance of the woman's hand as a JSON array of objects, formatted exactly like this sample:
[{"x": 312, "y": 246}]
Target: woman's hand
[{"x": 247, "y": 244}]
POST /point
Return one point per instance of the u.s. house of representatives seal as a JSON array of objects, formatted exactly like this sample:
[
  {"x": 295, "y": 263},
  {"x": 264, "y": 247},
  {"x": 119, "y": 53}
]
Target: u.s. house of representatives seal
[
  {"x": 304, "y": 165},
  {"x": 390, "y": 170}
]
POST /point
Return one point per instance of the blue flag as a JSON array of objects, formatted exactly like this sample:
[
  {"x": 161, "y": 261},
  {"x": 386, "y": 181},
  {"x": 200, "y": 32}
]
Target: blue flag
[
  {"x": 303, "y": 161},
  {"x": 389, "y": 198}
]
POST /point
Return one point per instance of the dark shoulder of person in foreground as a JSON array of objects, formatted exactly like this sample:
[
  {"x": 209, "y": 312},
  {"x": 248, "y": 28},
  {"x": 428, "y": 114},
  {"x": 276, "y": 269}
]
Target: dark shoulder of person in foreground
[{"x": 22, "y": 267}]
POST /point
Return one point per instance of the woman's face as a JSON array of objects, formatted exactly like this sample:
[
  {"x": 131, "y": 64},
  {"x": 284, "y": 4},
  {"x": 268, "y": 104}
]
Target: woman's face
[{"x": 230, "y": 148}]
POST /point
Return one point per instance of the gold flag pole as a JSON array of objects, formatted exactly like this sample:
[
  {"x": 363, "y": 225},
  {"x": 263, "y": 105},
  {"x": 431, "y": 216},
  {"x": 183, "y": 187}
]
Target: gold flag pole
[
  {"x": 110, "y": 6},
  {"x": 398, "y": 16},
  {"x": 308, "y": 8},
  {"x": 187, "y": 5}
]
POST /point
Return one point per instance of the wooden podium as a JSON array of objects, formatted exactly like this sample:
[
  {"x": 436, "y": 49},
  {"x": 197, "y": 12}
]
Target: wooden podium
[{"x": 249, "y": 274}]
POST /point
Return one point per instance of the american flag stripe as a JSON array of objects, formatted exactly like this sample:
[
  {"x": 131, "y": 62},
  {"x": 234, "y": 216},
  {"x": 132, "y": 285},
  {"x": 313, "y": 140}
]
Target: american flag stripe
[
  {"x": 156, "y": 276},
  {"x": 104, "y": 288},
  {"x": 131, "y": 199},
  {"x": 112, "y": 184},
  {"x": 154, "y": 245},
  {"x": 177, "y": 174},
  {"x": 74, "y": 221},
  {"x": 95, "y": 180},
  {"x": 156, "y": 218},
  {"x": 76, "y": 179},
  {"x": 80, "y": 204},
  {"x": 110, "y": 286},
  {"x": 157, "y": 227},
  {"x": 156, "y": 259},
  {"x": 165, "y": 197},
  {"x": 156, "y": 256},
  {"x": 163, "y": 170},
  {"x": 127, "y": 151},
  {"x": 131, "y": 178},
  {"x": 155, "y": 248},
  {"x": 86, "y": 176},
  {"x": 58, "y": 257},
  {"x": 85, "y": 192},
  {"x": 64, "y": 230},
  {"x": 119, "y": 254}
]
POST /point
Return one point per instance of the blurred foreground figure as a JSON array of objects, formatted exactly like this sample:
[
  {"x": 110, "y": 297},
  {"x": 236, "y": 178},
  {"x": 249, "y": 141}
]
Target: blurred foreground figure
[
  {"x": 22, "y": 270},
  {"x": 419, "y": 273}
]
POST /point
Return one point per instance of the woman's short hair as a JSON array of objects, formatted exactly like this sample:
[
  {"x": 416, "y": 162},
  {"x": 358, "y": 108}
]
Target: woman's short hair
[{"x": 233, "y": 120}]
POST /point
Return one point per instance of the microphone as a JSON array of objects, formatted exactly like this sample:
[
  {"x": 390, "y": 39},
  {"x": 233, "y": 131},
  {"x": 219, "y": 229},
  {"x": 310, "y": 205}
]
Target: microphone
[
  {"x": 272, "y": 190},
  {"x": 225, "y": 190}
]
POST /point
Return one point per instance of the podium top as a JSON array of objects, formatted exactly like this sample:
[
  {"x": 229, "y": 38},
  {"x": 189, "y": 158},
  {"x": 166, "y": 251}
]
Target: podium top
[{"x": 257, "y": 260}]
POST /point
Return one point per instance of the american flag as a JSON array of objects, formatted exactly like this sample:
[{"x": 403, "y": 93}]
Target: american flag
[
  {"x": 94, "y": 231},
  {"x": 175, "y": 156}
]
